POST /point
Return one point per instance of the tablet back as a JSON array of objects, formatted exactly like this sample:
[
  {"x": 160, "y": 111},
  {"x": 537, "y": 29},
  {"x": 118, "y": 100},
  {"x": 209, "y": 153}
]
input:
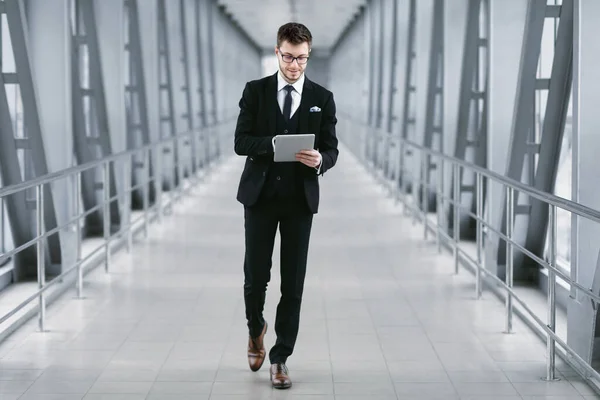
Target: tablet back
[{"x": 286, "y": 146}]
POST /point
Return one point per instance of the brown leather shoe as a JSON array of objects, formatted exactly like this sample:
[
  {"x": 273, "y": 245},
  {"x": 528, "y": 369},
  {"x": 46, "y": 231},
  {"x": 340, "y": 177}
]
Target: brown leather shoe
[
  {"x": 256, "y": 350},
  {"x": 279, "y": 376}
]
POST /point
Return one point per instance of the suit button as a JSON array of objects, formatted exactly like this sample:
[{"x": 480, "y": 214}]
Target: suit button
[
  {"x": 285, "y": 131},
  {"x": 278, "y": 178},
  {"x": 264, "y": 173}
]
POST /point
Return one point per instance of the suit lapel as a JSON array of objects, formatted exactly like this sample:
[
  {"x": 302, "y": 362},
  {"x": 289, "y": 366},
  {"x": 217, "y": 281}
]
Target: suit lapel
[
  {"x": 307, "y": 100},
  {"x": 272, "y": 105}
]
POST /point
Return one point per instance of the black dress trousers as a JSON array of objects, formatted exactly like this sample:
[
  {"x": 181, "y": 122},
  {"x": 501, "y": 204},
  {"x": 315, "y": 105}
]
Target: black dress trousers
[{"x": 261, "y": 221}]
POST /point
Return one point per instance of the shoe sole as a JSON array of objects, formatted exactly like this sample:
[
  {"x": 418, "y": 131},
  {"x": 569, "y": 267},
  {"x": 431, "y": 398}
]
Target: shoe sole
[{"x": 282, "y": 386}]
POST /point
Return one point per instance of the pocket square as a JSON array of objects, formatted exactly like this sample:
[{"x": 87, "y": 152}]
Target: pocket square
[{"x": 315, "y": 109}]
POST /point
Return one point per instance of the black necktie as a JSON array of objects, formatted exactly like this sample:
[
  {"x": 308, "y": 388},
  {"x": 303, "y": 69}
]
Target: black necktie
[{"x": 287, "y": 105}]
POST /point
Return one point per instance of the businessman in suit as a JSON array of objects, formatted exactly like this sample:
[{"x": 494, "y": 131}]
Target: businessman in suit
[{"x": 282, "y": 194}]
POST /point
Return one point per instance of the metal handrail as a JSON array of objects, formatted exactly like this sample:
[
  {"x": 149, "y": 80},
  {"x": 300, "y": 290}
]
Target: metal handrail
[
  {"x": 53, "y": 176},
  {"x": 127, "y": 224},
  {"x": 560, "y": 202},
  {"x": 510, "y": 186}
]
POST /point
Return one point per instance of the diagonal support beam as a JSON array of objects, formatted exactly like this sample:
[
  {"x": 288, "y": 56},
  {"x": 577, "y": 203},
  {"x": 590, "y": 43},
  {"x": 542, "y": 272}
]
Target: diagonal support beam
[
  {"x": 167, "y": 107},
  {"x": 204, "y": 138},
  {"x": 471, "y": 129},
  {"x": 138, "y": 128},
  {"x": 35, "y": 153},
  {"x": 435, "y": 103},
  {"x": 91, "y": 134},
  {"x": 410, "y": 89},
  {"x": 553, "y": 128}
]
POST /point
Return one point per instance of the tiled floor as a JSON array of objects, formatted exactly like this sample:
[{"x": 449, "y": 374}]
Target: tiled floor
[{"x": 383, "y": 316}]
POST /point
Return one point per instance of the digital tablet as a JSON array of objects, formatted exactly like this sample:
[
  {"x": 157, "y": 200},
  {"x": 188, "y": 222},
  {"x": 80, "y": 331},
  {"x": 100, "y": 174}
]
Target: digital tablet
[{"x": 286, "y": 146}]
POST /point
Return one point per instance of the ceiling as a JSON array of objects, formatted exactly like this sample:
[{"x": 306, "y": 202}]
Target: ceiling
[{"x": 326, "y": 19}]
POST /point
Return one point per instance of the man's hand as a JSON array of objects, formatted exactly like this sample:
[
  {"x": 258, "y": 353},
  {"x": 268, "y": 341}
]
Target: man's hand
[{"x": 311, "y": 158}]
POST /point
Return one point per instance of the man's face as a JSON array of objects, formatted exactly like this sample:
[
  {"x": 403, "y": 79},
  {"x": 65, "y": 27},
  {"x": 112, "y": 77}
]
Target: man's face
[{"x": 292, "y": 71}]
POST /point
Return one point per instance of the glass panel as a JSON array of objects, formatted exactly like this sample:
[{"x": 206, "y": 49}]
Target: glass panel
[{"x": 563, "y": 189}]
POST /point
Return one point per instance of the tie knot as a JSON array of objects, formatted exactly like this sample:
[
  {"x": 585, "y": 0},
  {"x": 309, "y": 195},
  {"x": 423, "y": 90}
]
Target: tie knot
[{"x": 289, "y": 88}]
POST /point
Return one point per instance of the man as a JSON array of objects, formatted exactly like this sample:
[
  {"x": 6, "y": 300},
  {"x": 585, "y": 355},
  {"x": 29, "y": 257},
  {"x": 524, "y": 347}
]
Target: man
[{"x": 284, "y": 194}]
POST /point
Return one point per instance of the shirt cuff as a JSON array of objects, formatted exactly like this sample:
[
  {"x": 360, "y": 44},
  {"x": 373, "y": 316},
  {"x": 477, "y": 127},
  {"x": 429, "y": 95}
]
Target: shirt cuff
[
  {"x": 273, "y": 143},
  {"x": 318, "y": 168}
]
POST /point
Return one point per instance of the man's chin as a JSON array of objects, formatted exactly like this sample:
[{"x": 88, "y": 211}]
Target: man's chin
[{"x": 293, "y": 75}]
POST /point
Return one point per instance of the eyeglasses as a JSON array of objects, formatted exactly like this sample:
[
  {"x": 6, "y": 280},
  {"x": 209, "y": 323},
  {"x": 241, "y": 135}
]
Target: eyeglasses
[{"x": 290, "y": 59}]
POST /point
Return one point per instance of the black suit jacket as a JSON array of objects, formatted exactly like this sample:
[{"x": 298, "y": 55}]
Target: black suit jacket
[{"x": 256, "y": 127}]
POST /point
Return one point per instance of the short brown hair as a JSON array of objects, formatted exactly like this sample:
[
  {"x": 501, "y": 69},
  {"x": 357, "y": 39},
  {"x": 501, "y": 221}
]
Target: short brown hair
[{"x": 295, "y": 33}]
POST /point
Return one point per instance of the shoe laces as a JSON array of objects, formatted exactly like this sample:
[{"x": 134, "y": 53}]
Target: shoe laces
[{"x": 281, "y": 368}]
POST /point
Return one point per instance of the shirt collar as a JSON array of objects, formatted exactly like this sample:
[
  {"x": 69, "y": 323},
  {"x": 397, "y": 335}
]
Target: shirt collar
[{"x": 298, "y": 85}]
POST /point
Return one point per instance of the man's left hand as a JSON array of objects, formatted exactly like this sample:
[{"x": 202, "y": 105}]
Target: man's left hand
[{"x": 311, "y": 158}]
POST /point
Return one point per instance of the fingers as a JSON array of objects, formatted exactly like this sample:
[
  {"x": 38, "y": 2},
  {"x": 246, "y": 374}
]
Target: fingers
[
  {"x": 309, "y": 152},
  {"x": 308, "y": 157}
]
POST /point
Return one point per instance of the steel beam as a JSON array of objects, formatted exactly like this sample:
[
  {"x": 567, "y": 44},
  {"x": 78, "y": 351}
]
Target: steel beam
[
  {"x": 202, "y": 114},
  {"x": 186, "y": 84},
  {"x": 378, "y": 133},
  {"x": 410, "y": 89},
  {"x": 553, "y": 129},
  {"x": 91, "y": 134},
  {"x": 471, "y": 129},
  {"x": 167, "y": 108},
  {"x": 523, "y": 112},
  {"x": 392, "y": 94},
  {"x": 434, "y": 108},
  {"x": 138, "y": 129},
  {"x": 213, "y": 79},
  {"x": 21, "y": 218}
]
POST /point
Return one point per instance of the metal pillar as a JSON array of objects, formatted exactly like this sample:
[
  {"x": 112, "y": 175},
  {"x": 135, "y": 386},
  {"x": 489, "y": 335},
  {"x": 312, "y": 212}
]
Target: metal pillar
[
  {"x": 213, "y": 77},
  {"x": 559, "y": 89},
  {"x": 378, "y": 133},
  {"x": 138, "y": 128},
  {"x": 371, "y": 114},
  {"x": 204, "y": 138},
  {"x": 392, "y": 93},
  {"x": 91, "y": 130},
  {"x": 167, "y": 110},
  {"x": 525, "y": 142},
  {"x": 471, "y": 130},
  {"x": 410, "y": 89},
  {"x": 434, "y": 114},
  {"x": 186, "y": 88},
  {"x": 31, "y": 143}
]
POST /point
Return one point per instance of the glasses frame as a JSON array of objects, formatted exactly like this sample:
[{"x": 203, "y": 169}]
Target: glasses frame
[{"x": 297, "y": 59}]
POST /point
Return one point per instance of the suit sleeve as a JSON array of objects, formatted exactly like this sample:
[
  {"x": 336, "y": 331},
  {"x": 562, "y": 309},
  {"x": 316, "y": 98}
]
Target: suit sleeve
[
  {"x": 246, "y": 143},
  {"x": 328, "y": 142}
]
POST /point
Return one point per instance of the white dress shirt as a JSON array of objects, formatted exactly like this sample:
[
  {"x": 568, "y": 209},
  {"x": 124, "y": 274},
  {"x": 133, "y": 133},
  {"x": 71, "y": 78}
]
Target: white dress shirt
[
  {"x": 296, "y": 93},
  {"x": 296, "y": 98}
]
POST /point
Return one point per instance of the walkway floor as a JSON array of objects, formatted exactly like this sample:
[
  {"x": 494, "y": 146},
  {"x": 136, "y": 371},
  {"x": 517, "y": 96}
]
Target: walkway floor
[{"x": 384, "y": 316}]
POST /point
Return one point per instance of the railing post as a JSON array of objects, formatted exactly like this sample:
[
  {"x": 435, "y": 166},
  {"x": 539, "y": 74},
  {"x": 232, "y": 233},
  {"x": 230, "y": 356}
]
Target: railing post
[
  {"x": 456, "y": 222},
  {"x": 158, "y": 181},
  {"x": 41, "y": 253},
  {"x": 550, "y": 342},
  {"x": 147, "y": 183},
  {"x": 479, "y": 187},
  {"x": 509, "y": 255},
  {"x": 106, "y": 207},
  {"x": 173, "y": 190},
  {"x": 440, "y": 202},
  {"x": 424, "y": 193},
  {"x": 77, "y": 190},
  {"x": 127, "y": 171}
]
